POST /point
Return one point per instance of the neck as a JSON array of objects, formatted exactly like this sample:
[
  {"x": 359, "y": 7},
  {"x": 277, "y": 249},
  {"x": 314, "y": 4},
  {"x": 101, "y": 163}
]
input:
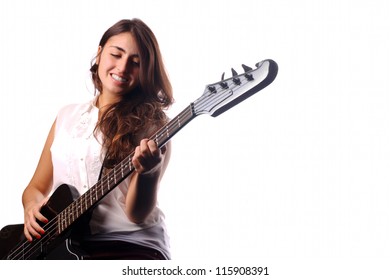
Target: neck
[{"x": 104, "y": 101}]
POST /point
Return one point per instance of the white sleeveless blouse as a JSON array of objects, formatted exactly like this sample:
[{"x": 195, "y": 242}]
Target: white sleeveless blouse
[{"x": 77, "y": 159}]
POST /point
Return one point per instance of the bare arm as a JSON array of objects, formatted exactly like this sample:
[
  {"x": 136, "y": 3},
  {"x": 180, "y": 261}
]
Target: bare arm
[
  {"x": 36, "y": 192},
  {"x": 150, "y": 163}
]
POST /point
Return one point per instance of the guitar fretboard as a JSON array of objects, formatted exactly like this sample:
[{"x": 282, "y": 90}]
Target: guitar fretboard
[
  {"x": 217, "y": 98},
  {"x": 117, "y": 174}
]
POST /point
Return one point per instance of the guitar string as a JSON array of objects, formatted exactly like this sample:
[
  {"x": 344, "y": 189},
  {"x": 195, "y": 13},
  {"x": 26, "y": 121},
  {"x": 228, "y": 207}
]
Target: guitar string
[{"x": 52, "y": 225}]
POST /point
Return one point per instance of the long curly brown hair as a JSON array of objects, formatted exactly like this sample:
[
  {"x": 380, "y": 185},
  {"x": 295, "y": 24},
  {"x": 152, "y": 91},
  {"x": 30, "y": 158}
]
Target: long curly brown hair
[{"x": 140, "y": 112}]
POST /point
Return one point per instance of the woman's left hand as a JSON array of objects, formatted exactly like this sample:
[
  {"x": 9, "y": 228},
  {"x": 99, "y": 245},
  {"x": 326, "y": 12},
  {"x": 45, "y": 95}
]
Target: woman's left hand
[{"x": 148, "y": 157}]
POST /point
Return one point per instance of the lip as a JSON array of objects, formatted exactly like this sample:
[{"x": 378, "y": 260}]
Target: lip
[{"x": 119, "y": 79}]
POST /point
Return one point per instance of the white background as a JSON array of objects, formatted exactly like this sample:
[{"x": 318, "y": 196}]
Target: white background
[{"x": 298, "y": 171}]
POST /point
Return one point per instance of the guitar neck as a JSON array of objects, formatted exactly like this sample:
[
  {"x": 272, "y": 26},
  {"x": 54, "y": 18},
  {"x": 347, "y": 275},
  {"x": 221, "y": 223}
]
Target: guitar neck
[
  {"x": 216, "y": 99},
  {"x": 120, "y": 172}
]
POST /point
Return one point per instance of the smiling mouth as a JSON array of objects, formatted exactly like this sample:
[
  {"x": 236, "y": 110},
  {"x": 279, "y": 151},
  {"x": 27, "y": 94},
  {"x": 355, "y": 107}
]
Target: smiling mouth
[{"x": 119, "y": 79}]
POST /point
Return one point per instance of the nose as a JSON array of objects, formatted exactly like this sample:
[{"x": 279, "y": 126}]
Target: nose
[
  {"x": 121, "y": 65},
  {"x": 125, "y": 66}
]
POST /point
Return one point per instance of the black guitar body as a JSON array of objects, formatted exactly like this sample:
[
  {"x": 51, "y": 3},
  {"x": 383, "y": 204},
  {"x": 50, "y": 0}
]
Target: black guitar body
[
  {"x": 68, "y": 212},
  {"x": 14, "y": 245},
  {"x": 10, "y": 236}
]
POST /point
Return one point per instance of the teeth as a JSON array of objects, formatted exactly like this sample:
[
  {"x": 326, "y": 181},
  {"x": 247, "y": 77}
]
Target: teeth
[{"x": 119, "y": 79}]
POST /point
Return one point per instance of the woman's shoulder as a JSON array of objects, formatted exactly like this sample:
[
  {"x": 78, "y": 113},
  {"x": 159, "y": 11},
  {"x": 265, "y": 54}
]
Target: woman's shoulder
[
  {"x": 72, "y": 108},
  {"x": 72, "y": 112}
]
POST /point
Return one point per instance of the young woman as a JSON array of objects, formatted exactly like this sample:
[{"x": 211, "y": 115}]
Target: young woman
[{"x": 87, "y": 140}]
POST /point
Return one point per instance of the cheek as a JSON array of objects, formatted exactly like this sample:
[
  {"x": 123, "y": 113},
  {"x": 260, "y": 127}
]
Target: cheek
[
  {"x": 106, "y": 62},
  {"x": 100, "y": 72},
  {"x": 104, "y": 66},
  {"x": 135, "y": 73}
]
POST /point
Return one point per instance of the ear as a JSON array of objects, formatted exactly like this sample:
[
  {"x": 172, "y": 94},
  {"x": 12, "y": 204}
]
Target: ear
[{"x": 99, "y": 52}]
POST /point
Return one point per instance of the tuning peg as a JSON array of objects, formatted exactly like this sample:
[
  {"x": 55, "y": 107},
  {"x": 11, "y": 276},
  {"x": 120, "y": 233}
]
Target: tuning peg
[
  {"x": 258, "y": 64},
  {"x": 222, "y": 83},
  {"x": 246, "y": 68},
  {"x": 212, "y": 89},
  {"x": 235, "y": 79}
]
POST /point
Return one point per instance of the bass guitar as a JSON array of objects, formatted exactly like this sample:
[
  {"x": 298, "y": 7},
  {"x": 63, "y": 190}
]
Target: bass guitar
[{"x": 66, "y": 208}]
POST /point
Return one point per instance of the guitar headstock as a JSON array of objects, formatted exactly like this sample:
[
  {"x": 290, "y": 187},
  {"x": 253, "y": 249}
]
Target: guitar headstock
[{"x": 223, "y": 95}]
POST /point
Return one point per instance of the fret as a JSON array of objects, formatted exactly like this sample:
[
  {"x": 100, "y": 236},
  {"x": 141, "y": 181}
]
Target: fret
[
  {"x": 128, "y": 166},
  {"x": 66, "y": 218},
  {"x": 108, "y": 183},
  {"x": 71, "y": 213},
  {"x": 90, "y": 198},
  {"x": 80, "y": 209},
  {"x": 80, "y": 205},
  {"x": 101, "y": 186},
  {"x": 64, "y": 223},
  {"x": 77, "y": 207},
  {"x": 111, "y": 181},
  {"x": 156, "y": 139},
  {"x": 178, "y": 121},
  {"x": 167, "y": 131},
  {"x": 85, "y": 204},
  {"x": 59, "y": 223},
  {"x": 72, "y": 209},
  {"x": 94, "y": 191}
]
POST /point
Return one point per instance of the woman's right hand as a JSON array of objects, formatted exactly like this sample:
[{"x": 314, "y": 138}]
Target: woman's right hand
[{"x": 32, "y": 215}]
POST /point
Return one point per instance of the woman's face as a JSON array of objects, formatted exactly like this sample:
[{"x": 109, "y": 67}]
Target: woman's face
[{"x": 118, "y": 65}]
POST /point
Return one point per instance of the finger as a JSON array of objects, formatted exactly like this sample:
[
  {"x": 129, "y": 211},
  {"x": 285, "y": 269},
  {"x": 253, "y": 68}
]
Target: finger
[
  {"x": 153, "y": 148},
  {"x": 40, "y": 217},
  {"x": 30, "y": 232},
  {"x": 36, "y": 227},
  {"x": 144, "y": 148},
  {"x": 136, "y": 160},
  {"x": 163, "y": 149},
  {"x": 146, "y": 156},
  {"x": 33, "y": 219},
  {"x": 27, "y": 234}
]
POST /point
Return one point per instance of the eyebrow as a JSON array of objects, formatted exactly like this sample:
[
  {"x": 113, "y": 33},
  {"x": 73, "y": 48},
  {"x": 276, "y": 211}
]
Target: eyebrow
[{"x": 118, "y": 48}]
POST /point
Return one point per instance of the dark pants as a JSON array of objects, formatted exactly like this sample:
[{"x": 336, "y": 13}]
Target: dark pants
[{"x": 118, "y": 250}]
